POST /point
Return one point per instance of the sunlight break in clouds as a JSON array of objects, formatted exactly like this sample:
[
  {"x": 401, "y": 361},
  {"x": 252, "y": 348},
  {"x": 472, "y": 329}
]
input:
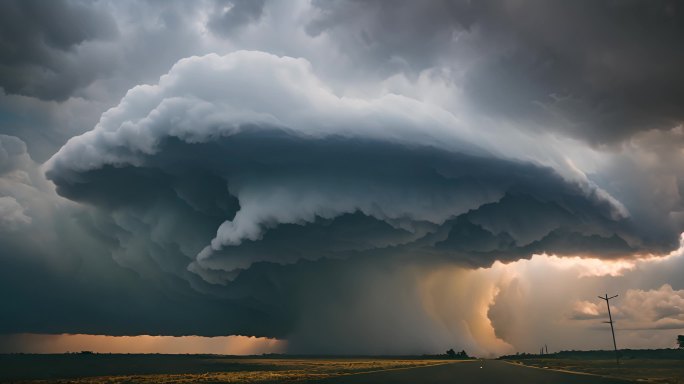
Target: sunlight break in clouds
[{"x": 546, "y": 293}]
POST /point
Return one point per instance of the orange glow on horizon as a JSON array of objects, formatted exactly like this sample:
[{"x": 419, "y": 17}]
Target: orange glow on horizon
[{"x": 62, "y": 343}]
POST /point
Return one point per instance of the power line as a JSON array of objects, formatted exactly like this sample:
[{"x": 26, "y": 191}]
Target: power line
[{"x": 612, "y": 330}]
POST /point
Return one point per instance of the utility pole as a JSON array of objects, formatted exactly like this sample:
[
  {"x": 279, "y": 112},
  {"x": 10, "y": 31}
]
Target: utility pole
[
  {"x": 612, "y": 330},
  {"x": 547, "y": 348}
]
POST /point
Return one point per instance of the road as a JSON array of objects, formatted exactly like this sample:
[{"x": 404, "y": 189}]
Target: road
[{"x": 469, "y": 372}]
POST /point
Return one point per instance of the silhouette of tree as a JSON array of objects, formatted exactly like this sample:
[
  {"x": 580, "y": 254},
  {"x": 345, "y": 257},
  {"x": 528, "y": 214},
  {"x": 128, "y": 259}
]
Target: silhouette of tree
[{"x": 680, "y": 341}]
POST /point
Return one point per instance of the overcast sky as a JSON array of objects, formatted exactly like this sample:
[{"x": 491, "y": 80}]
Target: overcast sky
[{"x": 388, "y": 177}]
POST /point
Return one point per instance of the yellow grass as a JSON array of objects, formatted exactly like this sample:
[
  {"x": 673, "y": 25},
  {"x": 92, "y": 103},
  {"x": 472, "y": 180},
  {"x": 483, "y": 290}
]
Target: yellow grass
[{"x": 286, "y": 370}]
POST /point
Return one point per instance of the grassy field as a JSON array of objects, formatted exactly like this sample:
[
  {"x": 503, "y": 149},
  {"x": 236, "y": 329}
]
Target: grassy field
[
  {"x": 669, "y": 371},
  {"x": 187, "y": 368}
]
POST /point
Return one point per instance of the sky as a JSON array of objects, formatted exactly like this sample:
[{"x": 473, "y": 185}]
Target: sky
[{"x": 340, "y": 177}]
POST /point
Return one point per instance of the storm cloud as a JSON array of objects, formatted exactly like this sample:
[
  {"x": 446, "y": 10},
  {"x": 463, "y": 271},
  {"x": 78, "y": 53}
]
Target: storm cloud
[
  {"x": 351, "y": 177},
  {"x": 271, "y": 146},
  {"x": 38, "y": 44},
  {"x": 529, "y": 60}
]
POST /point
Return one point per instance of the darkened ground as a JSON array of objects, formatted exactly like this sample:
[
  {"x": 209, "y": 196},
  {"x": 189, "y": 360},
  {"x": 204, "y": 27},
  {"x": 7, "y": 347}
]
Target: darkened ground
[
  {"x": 52, "y": 366},
  {"x": 656, "y": 366},
  {"x": 187, "y": 368},
  {"x": 473, "y": 372},
  {"x": 660, "y": 366}
]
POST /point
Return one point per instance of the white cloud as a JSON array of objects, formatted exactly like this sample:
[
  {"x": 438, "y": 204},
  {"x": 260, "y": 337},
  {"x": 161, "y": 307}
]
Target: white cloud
[
  {"x": 661, "y": 308},
  {"x": 12, "y": 215}
]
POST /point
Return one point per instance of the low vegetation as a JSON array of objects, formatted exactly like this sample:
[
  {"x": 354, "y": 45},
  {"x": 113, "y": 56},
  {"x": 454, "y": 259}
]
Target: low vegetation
[
  {"x": 655, "y": 366},
  {"x": 255, "y": 370}
]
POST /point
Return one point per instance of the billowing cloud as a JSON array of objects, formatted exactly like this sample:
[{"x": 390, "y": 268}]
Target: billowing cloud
[
  {"x": 661, "y": 308},
  {"x": 23, "y": 188},
  {"x": 259, "y": 142},
  {"x": 245, "y": 180},
  {"x": 69, "y": 261}
]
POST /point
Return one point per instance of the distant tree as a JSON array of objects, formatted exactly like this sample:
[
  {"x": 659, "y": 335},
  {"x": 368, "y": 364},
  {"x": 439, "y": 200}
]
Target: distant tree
[
  {"x": 463, "y": 354},
  {"x": 680, "y": 341},
  {"x": 451, "y": 353}
]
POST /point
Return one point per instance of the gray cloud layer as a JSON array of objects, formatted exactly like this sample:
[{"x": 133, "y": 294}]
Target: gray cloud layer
[
  {"x": 594, "y": 70},
  {"x": 39, "y": 43}
]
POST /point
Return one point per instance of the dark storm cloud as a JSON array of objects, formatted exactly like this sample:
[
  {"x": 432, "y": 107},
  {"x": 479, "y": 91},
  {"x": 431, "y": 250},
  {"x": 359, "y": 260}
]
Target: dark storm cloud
[
  {"x": 269, "y": 153},
  {"x": 63, "y": 63},
  {"x": 529, "y": 209},
  {"x": 226, "y": 186},
  {"x": 56, "y": 50},
  {"x": 596, "y": 70},
  {"x": 306, "y": 198},
  {"x": 38, "y": 41},
  {"x": 91, "y": 293},
  {"x": 90, "y": 271}
]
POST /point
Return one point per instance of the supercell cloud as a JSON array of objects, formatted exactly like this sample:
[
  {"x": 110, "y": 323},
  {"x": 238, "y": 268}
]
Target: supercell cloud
[
  {"x": 296, "y": 172},
  {"x": 346, "y": 176}
]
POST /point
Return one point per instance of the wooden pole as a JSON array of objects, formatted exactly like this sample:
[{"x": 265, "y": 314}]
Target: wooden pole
[{"x": 612, "y": 330}]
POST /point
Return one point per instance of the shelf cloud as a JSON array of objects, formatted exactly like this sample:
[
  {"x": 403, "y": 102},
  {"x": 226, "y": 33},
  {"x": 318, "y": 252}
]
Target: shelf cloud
[{"x": 258, "y": 142}]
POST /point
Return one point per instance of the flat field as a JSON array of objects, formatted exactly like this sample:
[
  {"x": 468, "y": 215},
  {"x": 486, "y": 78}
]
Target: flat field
[
  {"x": 104, "y": 368},
  {"x": 670, "y": 371}
]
